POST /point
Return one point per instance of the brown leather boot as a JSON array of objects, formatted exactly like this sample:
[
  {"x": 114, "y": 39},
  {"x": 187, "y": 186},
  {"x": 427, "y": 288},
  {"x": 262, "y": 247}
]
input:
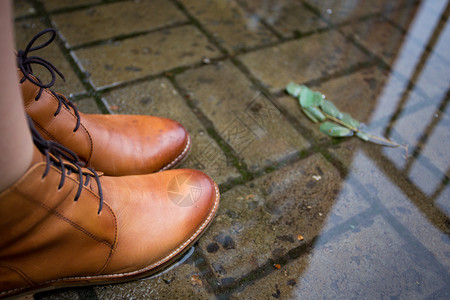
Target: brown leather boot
[
  {"x": 114, "y": 144},
  {"x": 62, "y": 225}
]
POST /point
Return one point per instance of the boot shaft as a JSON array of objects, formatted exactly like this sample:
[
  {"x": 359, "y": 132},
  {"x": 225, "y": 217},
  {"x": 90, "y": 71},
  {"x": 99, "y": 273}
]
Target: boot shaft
[{"x": 45, "y": 234}]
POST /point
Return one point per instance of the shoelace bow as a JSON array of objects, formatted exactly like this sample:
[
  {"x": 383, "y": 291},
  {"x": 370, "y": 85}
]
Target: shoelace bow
[
  {"x": 66, "y": 160},
  {"x": 24, "y": 63}
]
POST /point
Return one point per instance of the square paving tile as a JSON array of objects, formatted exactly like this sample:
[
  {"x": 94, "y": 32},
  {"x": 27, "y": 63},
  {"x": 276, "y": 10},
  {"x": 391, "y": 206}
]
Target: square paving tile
[
  {"x": 309, "y": 58},
  {"x": 287, "y": 17},
  {"x": 88, "y": 106},
  {"x": 403, "y": 16},
  {"x": 159, "y": 98},
  {"x": 244, "y": 117},
  {"x": 262, "y": 220},
  {"x": 52, "y": 5},
  {"x": 22, "y": 8},
  {"x": 229, "y": 24},
  {"x": 378, "y": 36},
  {"x": 342, "y": 11},
  {"x": 361, "y": 102},
  {"x": 115, "y": 19},
  {"x": 121, "y": 61}
]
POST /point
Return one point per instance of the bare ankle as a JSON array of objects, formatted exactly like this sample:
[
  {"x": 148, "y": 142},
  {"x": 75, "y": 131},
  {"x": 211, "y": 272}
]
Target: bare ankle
[{"x": 14, "y": 164}]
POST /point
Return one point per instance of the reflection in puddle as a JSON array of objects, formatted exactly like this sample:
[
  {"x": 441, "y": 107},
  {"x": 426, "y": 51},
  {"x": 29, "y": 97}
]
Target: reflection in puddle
[{"x": 387, "y": 233}]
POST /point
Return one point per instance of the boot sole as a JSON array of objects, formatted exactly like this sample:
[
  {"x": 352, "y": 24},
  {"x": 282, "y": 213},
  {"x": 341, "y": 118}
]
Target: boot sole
[{"x": 148, "y": 271}]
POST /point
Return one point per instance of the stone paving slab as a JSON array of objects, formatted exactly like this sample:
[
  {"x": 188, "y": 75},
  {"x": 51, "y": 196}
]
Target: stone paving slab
[
  {"x": 302, "y": 60},
  {"x": 88, "y": 106},
  {"x": 378, "y": 35},
  {"x": 25, "y": 30},
  {"x": 343, "y": 11},
  {"x": 52, "y": 5},
  {"x": 245, "y": 118},
  {"x": 153, "y": 53},
  {"x": 159, "y": 98},
  {"x": 361, "y": 102},
  {"x": 403, "y": 16},
  {"x": 229, "y": 24},
  {"x": 23, "y": 8},
  {"x": 292, "y": 107},
  {"x": 288, "y": 18},
  {"x": 370, "y": 261},
  {"x": 262, "y": 220},
  {"x": 115, "y": 19}
]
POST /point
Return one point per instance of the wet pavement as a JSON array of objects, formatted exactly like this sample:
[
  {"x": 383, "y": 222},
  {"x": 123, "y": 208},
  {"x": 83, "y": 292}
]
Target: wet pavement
[{"x": 302, "y": 216}]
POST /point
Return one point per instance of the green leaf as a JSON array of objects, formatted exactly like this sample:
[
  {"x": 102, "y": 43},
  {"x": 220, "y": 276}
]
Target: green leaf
[
  {"x": 309, "y": 98},
  {"x": 309, "y": 115},
  {"x": 381, "y": 141},
  {"x": 329, "y": 108},
  {"x": 335, "y": 130},
  {"x": 316, "y": 112},
  {"x": 293, "y": 89},
  {"x": 318, "y": 98},
  {"x": 362, "y": 136},
  {"x": 347, "y": 119}
]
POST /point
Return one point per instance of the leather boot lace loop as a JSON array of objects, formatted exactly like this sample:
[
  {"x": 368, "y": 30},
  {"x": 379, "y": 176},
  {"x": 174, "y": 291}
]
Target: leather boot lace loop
[
  {"x": 65, "y": 160},
  {"x": 24, "y": 63}
]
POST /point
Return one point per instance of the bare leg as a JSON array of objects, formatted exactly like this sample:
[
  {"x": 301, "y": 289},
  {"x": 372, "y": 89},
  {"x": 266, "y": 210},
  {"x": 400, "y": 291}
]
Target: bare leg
[{"x": 16, "y": 147}]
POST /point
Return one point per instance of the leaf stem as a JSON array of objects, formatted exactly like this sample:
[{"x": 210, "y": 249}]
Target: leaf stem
[{"x": 389, "y": 142}]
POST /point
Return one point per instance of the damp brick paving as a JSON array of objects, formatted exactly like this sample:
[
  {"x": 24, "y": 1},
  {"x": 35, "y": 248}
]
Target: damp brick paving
[
  {"x": 302, "y": 215},
  {"x": 135, "y": 17}
]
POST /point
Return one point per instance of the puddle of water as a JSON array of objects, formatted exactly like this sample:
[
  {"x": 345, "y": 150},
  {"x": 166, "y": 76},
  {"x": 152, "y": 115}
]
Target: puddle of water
[{"x": 387, "y": 233}]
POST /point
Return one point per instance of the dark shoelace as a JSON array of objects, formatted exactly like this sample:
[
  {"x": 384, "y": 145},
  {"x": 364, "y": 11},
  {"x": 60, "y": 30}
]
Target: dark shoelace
[
  {"x": 65, "y": 160},
  {"x": 24, "y": 63}
]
